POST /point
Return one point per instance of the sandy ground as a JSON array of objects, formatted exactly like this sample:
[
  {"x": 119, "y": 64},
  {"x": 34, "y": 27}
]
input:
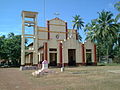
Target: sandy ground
[
  {"x": 80, "y": 78},
  {"x": 13, "y": 79}
]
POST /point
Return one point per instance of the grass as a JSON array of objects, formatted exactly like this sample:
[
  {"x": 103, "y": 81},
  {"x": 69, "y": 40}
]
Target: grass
[
  {"x": 79, "y": 78},
  {"x": 108, "y": 64}
]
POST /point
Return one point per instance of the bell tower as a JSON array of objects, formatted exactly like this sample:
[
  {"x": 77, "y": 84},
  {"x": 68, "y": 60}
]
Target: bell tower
[{"x": 29, "y": 19}]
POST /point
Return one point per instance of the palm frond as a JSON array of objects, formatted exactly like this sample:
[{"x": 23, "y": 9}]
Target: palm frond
[
  {"x": 117, "y": 5},
  {"x": 117, "y": 17}
]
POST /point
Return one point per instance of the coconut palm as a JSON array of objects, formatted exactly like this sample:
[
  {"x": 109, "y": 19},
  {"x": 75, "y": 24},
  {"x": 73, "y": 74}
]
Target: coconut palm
[
  {"x": 107, "y": 29},
  {"x": 117, "y": 6},
  {"x": 103, "y": 30},
  {"x": 103, "y": 27},
  {"x": 90, "y": 30},
  {"x": 107, "y": 26},
  {"x": 78, "y": 24}
]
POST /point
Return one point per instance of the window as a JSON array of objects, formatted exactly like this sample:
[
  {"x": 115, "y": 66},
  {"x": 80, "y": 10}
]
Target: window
[
  {"x": 52, "y": 49},
  {"x": 88, "y": 50}
]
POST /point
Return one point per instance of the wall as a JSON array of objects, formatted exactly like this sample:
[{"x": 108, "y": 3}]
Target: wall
[
  {"x": 42, "y": 35},
  {"x": 89, "y": 45},
  {"x": 57, "y": 25},
  {"x": 72, "y": 44},
  {"x": 53, "y": 44}
]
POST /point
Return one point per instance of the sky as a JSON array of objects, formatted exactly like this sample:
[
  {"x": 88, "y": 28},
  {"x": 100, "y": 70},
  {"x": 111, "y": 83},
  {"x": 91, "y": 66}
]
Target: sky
[{"x": 10, "y": 12}]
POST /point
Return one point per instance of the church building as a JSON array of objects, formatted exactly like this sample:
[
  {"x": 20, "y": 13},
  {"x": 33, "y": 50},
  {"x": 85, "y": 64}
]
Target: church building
[{"x": 55, "y": 43}]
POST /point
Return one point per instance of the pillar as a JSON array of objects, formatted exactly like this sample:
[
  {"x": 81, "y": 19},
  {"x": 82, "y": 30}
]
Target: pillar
[
  {"x": 60, "y": 52},
  {"x": 35, "y": 45},
  {"x": 45, "y": 51},
  {"x": 48, "y": 27},
  {"x": 76, "y": 34},
  {"x": 29, "y": 58},
  {"x": 83, "y": 54},
  {"x": 39, "y": 58},
  {"x": 95, "y": 59},
  {"x": 22, "y": 42},
  {"x": 66, "y": 30}
]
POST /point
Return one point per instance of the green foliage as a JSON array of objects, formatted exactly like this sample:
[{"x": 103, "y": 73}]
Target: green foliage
[
  {"x": 105, "y": 32},
  {"x": 11, "y": 48},
  {"x": 78, "y": 24},
  {"x": 108, "y": 64},
  {"x": 117, "y": 6},
  {"x": 1, "y": 46}
]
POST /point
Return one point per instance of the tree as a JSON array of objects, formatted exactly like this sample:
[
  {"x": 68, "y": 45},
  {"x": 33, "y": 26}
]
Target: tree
[
  {"x": 1, "y": 46},
  {"x": 116, "y": 51},
  {"x": 107, "y": 29},
  {"x": 103, "y": 31},
  {"x": 10, "y": 35},
  {"x": 78, "y": 24},
  {"x": 117, "y": 6},
  {"x": 11, "y": 49},
  {"x": 91, "y": 30}
]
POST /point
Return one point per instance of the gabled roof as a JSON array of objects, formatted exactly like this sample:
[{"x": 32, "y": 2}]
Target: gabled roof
[{"x": 57, "y": 19}]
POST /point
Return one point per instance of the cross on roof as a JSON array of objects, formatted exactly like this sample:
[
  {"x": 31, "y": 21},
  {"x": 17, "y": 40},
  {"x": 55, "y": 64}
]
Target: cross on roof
[{"x": 56, "y": 14}]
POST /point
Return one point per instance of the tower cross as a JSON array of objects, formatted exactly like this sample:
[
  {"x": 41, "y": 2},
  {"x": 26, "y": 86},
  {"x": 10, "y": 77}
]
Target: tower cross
[{"x": 56, "y": 14}]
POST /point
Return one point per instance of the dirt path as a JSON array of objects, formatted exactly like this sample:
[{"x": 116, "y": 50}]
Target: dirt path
[{"x": 13, "y": 79}]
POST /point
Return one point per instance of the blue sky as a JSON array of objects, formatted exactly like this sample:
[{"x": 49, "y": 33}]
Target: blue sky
[{"x": 10, "y": 11}]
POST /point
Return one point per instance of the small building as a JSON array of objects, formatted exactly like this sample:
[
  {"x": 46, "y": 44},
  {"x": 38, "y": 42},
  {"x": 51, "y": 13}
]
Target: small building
[{"x": 60, "y": 46}]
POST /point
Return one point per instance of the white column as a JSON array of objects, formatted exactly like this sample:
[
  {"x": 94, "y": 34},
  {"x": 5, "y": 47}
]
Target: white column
[
  {"x": 39, "y": 57},
  {"x": 22, "y": 43}
]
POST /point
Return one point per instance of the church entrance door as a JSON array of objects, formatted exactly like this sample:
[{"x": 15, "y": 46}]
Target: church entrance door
[
  {"x": 71, "y": 57},
  {"x": 53, "y": 59}
]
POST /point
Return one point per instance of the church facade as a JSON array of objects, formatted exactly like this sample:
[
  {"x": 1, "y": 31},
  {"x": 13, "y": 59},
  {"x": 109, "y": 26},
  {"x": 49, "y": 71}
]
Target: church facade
[{"x": 60, "y": 46}]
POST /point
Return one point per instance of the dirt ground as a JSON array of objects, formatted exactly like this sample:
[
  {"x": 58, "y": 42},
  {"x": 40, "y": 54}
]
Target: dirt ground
[{"x": 77, "y": 78}]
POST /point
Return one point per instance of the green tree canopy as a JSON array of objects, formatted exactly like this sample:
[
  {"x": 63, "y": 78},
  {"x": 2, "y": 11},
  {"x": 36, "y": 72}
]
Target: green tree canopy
[
  {"x": 117, "y": 6},
  {"x": 11, "y": 48},
  {"x": 104, "y": 32},
  {"x": 78, "y": 24}
]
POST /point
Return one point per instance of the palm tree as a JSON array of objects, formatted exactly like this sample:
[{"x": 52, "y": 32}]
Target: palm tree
[
  {"x": 117, "y": 6},
  {"x": 91, "y": 30},
  {"x": 103, "y": 30},
  {"x": 78, "y": 24},
  {"x": 107, "y": 26},
  {"x": 107, "y": 29}
]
